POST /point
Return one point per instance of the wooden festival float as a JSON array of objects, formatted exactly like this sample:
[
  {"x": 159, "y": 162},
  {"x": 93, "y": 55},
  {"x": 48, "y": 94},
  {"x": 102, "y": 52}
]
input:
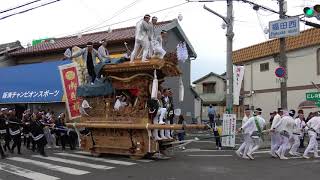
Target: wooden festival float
[{"x": 127, "y": 131}]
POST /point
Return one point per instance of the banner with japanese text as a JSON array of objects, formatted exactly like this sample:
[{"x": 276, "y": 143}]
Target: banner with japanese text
[
  {"x": 32, "y": 83},
  {"x": 229, "y": 130},
  {"x": 70, "y": 83},
  {"x": 238, "y": 74}
]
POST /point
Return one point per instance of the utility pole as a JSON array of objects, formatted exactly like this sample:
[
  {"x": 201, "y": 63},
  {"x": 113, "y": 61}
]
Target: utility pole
[
  {"x": 283, "y": 60},
  {"x": 230, "y": 34}
]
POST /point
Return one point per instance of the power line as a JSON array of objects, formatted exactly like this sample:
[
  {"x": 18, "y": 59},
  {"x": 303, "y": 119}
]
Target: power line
[
  {"x": 24, "y": 11},
  {"x": 122, "y": 10},
  {"x": 171, "y": 7},
  {"x": 22, "y": 5},
  {"x": 261, "y": 25},
  {"x": 130, "y": 19}
]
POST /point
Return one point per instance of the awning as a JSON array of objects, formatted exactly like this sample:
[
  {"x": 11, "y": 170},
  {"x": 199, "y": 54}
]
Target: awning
[
  {"x": 31, "y": 83},
  {"x": 307, "y": 105}
]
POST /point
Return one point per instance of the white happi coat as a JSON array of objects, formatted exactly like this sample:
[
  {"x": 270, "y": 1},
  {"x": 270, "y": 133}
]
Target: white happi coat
[
  {"x": 250, "y": 126},
  {"x": 276, "y": 122},
  {"x": 300, "y": 124}
]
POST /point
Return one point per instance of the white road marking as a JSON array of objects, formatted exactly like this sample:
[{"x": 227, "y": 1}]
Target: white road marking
[
  {"x": 261, "y": 152},
  {"x": 83, "y": 152},
  {"x": 52, "y": 167},
  {"x": 296, "y": 157},
  {"x": 205, "y": 150},
  {"x": 209, "y": 155},
  {"x": 139, "y": 160},
  {"x": 78, "y": 163},
  {"x": 97, "y": 159},
  {"x": 25, "y": 172}
]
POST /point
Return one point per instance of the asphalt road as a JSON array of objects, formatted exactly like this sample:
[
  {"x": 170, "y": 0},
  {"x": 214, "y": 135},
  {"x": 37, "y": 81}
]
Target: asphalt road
[{"x": 200, "y": 161}]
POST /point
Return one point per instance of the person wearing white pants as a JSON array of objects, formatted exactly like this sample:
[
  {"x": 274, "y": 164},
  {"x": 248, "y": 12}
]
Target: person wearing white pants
[
  {"x": 159, "y": 113},
  {"x": 157, "y": 120},
  {"x": 158, "y": 50},
  {"x": 142, "y": 39},
  {"x": 275, "y": 134},
  {"x": 297, "y": 134},
  {"x": 153, "y": 36},
  {"x": 242, "y": 151},
  {"x": 286, "y": 128},
  {"x": 167, "y": 101},
  {"x": 313, "y": 127},
  {"x": 253, "y": 127}
]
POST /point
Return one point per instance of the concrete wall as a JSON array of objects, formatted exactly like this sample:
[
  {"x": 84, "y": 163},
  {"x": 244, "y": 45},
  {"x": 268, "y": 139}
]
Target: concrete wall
[
  {"x": 302, "y": 69},
  {"x": 197, "y": 110}
]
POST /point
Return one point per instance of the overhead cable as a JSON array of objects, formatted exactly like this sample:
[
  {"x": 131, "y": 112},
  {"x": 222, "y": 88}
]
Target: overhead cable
[{"x": 24, "y": 11}]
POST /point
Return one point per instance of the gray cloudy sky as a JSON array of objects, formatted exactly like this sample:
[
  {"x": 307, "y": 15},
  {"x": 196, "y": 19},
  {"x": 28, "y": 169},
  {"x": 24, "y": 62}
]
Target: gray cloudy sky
[{"x": 202, "y": 28}]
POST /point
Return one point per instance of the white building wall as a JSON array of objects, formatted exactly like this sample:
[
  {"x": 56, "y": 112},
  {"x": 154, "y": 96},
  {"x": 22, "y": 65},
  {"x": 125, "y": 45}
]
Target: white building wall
[
  {"x": 197, "y": 110},
  {"x": 302, "y": 69},
  {"x": 268, "y": 102}
]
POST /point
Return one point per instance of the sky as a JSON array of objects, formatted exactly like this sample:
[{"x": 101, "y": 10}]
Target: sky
[{"x": 203, "y": 29}]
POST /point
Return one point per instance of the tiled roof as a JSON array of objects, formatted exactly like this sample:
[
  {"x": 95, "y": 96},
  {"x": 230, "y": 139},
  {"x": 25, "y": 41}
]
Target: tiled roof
[
  {"x": 307, "y": 38},
  {"x": 116, "y": 35}
]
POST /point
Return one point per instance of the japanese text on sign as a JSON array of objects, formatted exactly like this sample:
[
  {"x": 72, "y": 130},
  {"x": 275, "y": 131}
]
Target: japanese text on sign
[
  {"x": 229, "y": 129},
  {"x": 30, "y": 94},
  {"x": 284, "y": 28},
  {"x": 70, "y": 83}
]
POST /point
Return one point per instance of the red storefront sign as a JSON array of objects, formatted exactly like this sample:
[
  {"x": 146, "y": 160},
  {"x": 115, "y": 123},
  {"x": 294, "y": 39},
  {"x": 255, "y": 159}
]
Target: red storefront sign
[{"x": 70, "y": 82}]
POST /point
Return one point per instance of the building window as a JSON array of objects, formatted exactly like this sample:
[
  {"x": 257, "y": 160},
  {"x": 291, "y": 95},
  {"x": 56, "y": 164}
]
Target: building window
[
  {"x": 209, "y": 88},
  {"x": 318, "y": 61},
  {"x": 264, "y": 67}
]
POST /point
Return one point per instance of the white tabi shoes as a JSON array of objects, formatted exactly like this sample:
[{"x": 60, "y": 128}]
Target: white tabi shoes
[
  {"x": 162, "y": 136},
  {"x": 250, "y": 156},
  {"x": 168, "y": 134},
  {"x": 155, "y": 135},
  {"x": 245, "y": 157},
  {"x": 239, "y": 154},
  {"x": 294, "y": 153},
  {"x": 273, "y": 155},
  {"x": 306, "y": 157},
  {"x": 161, "y": 122},
  {"x": 284, "y": 158}
]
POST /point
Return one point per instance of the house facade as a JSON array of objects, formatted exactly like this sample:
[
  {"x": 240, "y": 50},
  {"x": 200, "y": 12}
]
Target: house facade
[
  {"x": 212, "y": 90},
  {"x": 261, "y": 88},
  {"x": 53, "y": 49},
  {"x": 5, "y": 49}
]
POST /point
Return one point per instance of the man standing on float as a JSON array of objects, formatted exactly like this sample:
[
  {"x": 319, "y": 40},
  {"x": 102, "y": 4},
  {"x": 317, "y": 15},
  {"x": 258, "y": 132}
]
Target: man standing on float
[{"x": 142, "y": 39}]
